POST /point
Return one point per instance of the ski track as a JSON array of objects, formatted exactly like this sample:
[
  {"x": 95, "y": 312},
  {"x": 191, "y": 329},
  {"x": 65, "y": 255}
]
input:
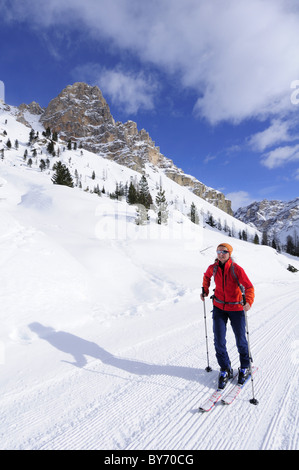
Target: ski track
[{"x": 159, "y": 410}]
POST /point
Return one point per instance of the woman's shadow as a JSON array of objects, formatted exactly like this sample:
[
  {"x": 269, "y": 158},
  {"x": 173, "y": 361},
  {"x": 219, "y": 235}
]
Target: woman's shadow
[{"x": 80, "y": 348}]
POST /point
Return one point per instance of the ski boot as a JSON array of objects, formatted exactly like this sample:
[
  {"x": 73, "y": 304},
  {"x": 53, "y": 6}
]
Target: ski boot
[
  {"x": 224, "y": 376},
  {"x": 243, "y": 375}
]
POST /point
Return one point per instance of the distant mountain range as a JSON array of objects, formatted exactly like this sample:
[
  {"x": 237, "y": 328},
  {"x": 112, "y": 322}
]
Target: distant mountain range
[{"x": 277, "y": 219}]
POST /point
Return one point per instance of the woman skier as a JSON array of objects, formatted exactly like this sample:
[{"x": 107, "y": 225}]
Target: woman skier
[{"x": 233, "y": 294}]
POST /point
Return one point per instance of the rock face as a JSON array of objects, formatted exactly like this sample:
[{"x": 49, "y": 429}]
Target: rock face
[
  {"x": 278, "y": 219},
  {"x": 81, "y": 114},
  {"x": 32, "y": 108}
]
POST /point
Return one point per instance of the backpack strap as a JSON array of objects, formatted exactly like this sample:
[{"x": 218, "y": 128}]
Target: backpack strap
[
  {"x": 242, "y": 288},
  {"x": 215, "y": 270},
  {"x": 232, "y": 269}
]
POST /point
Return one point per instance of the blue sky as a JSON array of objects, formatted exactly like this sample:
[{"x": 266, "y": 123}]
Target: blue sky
[{"x": 215, "y": 83}]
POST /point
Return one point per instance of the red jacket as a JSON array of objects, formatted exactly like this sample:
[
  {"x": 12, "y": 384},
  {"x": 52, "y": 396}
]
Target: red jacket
[{"x": 227, "y": 289}]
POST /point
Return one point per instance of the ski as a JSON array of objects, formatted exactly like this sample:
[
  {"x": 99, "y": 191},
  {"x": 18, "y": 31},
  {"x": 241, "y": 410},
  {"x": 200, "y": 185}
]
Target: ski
[
  {"x": 235, "y": 391},
  {"x": 211, "y": 401}
]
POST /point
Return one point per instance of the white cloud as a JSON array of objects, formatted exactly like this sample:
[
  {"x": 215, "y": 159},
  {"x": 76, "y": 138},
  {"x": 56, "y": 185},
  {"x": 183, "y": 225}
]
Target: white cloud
[
  {"x": 129, "y": 91},
  {"x": 134, "y": 92},
  {"x": 280, "y": 156},
  {"x": 239, "y": 56},
  {"x": 239, "y": 199},
  {"x": 279, "y": 131},
  {"x": 209, "y": 158}
]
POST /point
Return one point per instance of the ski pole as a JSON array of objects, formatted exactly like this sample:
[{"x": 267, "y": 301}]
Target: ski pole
[
  {"x": 253, "y": 400},
  {"x": 208, "y": 368}
]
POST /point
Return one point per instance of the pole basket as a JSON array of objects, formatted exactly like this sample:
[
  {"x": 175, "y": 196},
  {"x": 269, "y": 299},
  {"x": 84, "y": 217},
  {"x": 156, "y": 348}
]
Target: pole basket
[{"x": 254, "y": 401}]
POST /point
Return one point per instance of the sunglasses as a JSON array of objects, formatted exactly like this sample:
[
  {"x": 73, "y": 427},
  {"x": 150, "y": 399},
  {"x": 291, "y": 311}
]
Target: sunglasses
[{"x": 224, "y": 252}]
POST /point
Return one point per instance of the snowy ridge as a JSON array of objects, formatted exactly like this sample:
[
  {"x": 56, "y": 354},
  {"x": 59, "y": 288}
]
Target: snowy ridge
[{"x": 102, "y": 340}]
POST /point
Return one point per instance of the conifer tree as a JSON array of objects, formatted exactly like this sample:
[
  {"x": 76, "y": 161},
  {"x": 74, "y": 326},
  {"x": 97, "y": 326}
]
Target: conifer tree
[
  {"x": 132, "y": 194},
  {"x": 42, "y": 165},
  {"x": 31, "y": 136},
  {"x": 193, "y": 214},
  {"x": 50, "y": 147},
  {"x": 144, "y": 196},
  {"x": 142, "y": 216},
  {"x": 210, "y": 220},
  {"x": 244, "y": 235},
  {"x": 290, "y": 247},
  {"x": 48, "y": 132},
  {"x": 162, "y": 211},
  {"x": 62, "y": 175},
  {"x": 265, "y": 238}
]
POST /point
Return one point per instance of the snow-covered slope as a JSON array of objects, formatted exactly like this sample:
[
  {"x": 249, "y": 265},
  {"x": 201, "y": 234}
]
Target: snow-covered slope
[
  {"x": 92, "y": 170},
  {"x": 102, "y": 340}
]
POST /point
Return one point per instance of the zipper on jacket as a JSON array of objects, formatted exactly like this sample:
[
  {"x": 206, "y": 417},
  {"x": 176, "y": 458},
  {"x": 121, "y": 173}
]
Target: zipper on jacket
[{"x": 223, "y": 286}]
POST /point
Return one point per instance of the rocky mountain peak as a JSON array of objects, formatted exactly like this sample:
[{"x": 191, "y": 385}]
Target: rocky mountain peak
[
  {"x": 80, "y": 113},
  {"x": 32, "y": 108}
]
